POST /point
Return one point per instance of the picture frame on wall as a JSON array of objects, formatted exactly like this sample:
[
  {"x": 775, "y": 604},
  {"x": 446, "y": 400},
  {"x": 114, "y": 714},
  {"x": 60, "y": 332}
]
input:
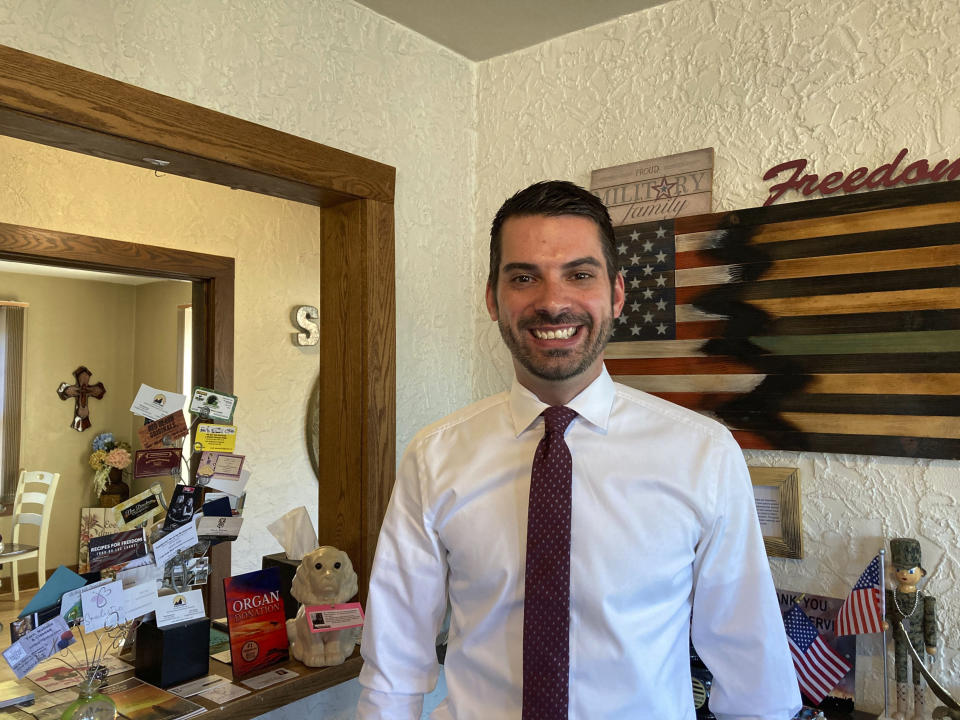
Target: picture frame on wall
[{"x": 776, "y": 491}]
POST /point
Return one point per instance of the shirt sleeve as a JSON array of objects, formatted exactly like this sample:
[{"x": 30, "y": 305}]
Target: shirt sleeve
[
  {"x": 737, "y": 628},
  {"x": 405, "y": 604}
]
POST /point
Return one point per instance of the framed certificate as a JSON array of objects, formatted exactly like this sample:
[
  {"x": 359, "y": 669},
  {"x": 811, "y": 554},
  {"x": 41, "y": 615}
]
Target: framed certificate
[{"x": 776, "y": 492}]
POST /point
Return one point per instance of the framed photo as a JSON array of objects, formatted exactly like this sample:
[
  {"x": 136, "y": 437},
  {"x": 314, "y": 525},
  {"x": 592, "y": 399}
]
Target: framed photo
[{"x": 776, "y": 492}]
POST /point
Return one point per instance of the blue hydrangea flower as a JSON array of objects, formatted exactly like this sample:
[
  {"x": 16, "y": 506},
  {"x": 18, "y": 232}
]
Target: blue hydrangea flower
[{"x": 102, "y": 441}]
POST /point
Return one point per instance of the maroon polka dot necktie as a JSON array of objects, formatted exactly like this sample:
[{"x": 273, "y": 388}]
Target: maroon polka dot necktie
[{"x": 546, "y": 605}]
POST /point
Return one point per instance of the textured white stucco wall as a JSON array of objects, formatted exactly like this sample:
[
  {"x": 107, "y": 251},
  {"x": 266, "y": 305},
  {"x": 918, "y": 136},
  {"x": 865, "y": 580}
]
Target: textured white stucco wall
[
  {"x": 333, "y": 72},
  {"x": 845, "y": 83}
]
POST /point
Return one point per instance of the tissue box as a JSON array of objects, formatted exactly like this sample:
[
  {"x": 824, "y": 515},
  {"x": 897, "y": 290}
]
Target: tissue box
[
  {"x": 287, "y": 568},
  {"x": 174, "y": 654}
]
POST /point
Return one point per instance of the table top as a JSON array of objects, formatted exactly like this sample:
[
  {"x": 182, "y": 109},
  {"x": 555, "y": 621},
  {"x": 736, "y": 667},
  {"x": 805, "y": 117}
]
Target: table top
[{"x": 307, "y": 682}]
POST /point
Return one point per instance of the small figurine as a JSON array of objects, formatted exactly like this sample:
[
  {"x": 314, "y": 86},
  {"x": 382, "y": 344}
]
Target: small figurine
[
  {"x": 325, "y": 577},
  {"x": 919, "y": 615}
]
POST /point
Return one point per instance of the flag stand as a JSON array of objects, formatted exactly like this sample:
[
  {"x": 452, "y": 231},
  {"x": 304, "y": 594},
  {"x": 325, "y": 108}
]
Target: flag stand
[{"x": 883, "y": 613}]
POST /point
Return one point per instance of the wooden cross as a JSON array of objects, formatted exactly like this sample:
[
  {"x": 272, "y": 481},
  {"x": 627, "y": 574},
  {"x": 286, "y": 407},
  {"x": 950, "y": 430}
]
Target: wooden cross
[{"x": 80, "y": 392}]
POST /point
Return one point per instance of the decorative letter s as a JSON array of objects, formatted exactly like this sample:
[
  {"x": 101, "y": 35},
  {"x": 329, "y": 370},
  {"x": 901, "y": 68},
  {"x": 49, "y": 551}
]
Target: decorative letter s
[{"x": 306, "y": 317}]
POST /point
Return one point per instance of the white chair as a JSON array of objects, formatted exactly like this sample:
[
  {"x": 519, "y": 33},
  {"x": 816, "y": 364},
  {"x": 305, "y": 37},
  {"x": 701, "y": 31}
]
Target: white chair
[{"x": 40, "y": 499}]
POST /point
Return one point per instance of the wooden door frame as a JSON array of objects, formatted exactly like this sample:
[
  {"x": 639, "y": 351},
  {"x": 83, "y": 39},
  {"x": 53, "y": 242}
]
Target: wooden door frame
[{"x": 62, "y": 106}]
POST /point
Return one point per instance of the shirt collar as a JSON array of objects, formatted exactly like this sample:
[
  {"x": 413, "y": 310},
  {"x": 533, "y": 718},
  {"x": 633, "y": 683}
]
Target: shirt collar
[{"x": 593, "y": 403}]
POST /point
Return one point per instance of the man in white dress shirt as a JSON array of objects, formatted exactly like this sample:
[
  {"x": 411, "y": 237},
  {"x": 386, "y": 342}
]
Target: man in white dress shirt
[{"x": 665, "y": 542}]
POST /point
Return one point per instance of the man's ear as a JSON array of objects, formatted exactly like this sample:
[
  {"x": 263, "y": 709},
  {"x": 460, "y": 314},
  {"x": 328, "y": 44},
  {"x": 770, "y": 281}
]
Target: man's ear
[
  {"x": 619, "y": 294},
  {"x": 492, "y": 307}
]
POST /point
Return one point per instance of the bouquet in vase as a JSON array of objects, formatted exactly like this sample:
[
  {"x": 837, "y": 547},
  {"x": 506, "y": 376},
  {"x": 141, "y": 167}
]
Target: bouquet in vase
[{"x": 107, "y": 454}]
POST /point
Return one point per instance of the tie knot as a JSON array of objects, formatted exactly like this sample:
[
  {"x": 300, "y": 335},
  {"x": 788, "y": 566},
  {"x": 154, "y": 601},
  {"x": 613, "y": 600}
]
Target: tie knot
[{"x": 557, "y": 417}]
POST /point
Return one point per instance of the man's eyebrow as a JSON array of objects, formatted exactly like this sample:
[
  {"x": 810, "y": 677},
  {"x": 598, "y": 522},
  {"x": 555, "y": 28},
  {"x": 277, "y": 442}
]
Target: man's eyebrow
[
  {"x": 588, "y": 260},
  {"x": 530, "y": 267}
]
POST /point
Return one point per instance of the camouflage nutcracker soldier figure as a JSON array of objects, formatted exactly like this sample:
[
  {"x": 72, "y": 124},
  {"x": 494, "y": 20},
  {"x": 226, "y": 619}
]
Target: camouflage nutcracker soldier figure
[{"x": 919, "y": 615}]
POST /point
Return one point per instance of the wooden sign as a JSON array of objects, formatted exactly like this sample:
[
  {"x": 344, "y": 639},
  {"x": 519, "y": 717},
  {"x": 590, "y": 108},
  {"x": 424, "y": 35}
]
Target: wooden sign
[
  {"x": 831, "y": 325},
  {"x": 665, "y": 187}
]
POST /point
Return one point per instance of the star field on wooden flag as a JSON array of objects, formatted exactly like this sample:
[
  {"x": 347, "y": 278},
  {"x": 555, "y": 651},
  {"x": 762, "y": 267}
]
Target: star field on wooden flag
[{"x": 646, "y": 254}]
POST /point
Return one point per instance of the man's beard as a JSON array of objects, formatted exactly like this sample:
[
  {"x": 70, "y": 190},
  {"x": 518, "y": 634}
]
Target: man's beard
[{"x": 561, "y": 363}]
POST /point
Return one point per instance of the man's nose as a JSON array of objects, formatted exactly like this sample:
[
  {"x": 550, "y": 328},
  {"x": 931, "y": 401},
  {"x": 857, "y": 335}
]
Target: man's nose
[{"x": 553, "y": 297}]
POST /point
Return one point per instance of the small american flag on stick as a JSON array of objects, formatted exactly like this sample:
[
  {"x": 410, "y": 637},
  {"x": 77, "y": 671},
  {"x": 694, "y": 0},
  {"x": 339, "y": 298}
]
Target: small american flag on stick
[
  {"x": 819, "y": 667},
  {"x": 861, "y": 611}
]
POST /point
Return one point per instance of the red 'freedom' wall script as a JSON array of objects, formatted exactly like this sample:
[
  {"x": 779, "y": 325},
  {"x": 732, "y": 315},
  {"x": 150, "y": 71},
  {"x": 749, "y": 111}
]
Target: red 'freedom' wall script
[{"x": 862, "y": 177}]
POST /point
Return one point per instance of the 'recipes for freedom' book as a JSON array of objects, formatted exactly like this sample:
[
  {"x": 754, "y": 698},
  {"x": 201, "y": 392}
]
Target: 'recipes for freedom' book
[{"x": 256, "y": 621}]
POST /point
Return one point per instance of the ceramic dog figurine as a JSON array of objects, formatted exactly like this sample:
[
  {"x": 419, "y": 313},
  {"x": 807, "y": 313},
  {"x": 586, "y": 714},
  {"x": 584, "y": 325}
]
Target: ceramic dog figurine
[{"x": 325, "y": 577}]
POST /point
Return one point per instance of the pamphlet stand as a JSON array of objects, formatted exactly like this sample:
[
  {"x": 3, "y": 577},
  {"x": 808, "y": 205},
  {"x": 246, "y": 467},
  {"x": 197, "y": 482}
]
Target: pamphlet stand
[{"x": 173, "y": 654}]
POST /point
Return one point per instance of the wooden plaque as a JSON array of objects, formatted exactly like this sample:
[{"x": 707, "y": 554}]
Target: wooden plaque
[{"x": 664, "y": 187}]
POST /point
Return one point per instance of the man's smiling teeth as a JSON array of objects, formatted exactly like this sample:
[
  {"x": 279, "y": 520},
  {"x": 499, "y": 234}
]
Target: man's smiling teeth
[{"x": 554, "y": 334}]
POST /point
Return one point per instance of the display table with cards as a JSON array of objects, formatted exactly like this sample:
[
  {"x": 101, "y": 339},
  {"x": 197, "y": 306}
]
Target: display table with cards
[{"x": 306, "y": 682}]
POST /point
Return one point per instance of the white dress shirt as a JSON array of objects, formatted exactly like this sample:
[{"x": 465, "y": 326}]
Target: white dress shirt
[{"x": 663, "y": 527}]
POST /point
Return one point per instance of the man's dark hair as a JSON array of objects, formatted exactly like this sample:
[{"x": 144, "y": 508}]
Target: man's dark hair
[{"x": 553, "y": 197}]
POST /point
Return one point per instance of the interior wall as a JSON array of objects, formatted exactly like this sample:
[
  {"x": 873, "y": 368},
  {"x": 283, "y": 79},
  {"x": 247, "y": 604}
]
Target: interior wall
[
  {"x": 327, "y": 70},
  {"x": 69, "y": 323},
  {"x": 155, "y": 353},
  {"x": 844, "y": 84},
  {"x": 336, "y": 73},
  {"x": 276, "y": 244}
]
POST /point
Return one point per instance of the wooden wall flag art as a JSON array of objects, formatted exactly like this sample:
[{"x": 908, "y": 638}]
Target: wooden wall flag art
[
  {"x": 830, "y": 325},
  {"x": 81, "y": 392}
]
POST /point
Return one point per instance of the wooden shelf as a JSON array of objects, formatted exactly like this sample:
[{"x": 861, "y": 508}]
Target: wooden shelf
[{"x": 308, "y": 682}]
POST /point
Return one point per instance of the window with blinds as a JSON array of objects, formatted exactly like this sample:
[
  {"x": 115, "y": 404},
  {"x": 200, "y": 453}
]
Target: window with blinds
[{"x": 11, "y": 385}]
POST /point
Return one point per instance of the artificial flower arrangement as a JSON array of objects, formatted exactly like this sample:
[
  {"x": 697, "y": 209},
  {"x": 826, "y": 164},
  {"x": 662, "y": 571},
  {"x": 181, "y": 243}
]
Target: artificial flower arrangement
[{"x": 107, "y": 454}]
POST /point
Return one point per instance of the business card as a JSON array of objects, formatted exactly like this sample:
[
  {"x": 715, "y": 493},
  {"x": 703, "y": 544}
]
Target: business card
[
  {"x": 212, "y": 404},
  {"x": 163, "y": 431},
  {"x": 154, "y": 404},
  {"x": 170, "y": 544},
  {"x": 184, "y": 502},
  {"x": 159, "y": 462},
  {"x": 37, "y": 645},
  {"x": 71, "y": 610},
  {"x": 217, "y": 438},
  {"x": 179, "y": 607},
  {"x": 224, "y": 692},
  {"x": 221, "y": 464},
  {"x": 142, "y": 507},
  {"x": 227, "y": 528},
  {"x": 103, "y": 605},
  {"x": 200, "y": 685},
  {"x": 258, "y": 682},
  {"x": 327, "y": 618},
  {"x": 228, "y": 485}
]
